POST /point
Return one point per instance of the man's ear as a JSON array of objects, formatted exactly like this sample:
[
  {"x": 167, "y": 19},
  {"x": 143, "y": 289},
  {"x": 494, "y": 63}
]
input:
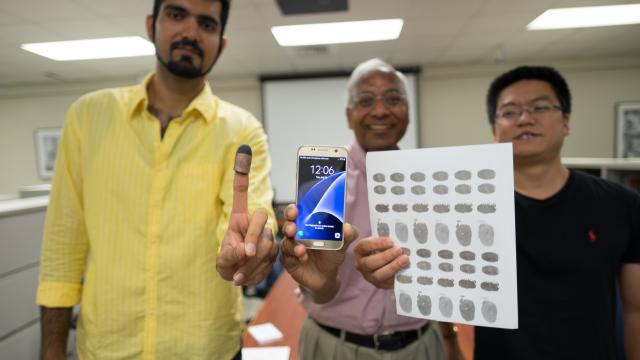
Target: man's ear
[
  {"x": 348, "y": 113},
  {"x": 566, "y": 122},
  {"x": 150, "y": 28},
  {"x": 225, "y": 42},
  {"x": 493, "y": 131}
]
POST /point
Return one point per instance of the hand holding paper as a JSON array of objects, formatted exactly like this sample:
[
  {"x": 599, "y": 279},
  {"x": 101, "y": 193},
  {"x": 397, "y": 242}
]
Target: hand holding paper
[{"x": 379, "y": 260}]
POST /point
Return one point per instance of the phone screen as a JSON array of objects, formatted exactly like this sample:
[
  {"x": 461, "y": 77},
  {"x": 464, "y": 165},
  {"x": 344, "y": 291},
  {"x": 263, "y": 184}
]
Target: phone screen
[{"x": 321, "y": 197}]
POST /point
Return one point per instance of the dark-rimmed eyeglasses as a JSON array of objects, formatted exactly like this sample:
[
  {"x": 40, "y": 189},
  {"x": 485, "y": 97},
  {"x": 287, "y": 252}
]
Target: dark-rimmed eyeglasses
[{"x": 514, "y": 112}]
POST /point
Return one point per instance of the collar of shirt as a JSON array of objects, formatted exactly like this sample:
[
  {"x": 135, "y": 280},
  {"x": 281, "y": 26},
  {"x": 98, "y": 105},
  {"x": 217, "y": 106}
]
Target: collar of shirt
[
  {"x": 357, "y": 155},
  {"x": 206, "y": 104}
]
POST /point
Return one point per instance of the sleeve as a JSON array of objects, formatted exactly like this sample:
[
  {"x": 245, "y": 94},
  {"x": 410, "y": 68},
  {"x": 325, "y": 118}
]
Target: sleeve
[
  {"x": 632, "y": 255},
  {"x": 260, "y": 188},
  {"x": 64, "y": 244}
]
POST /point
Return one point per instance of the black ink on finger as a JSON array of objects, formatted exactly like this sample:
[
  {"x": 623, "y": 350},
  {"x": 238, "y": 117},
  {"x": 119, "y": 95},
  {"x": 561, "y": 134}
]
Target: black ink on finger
[{"x": 243, "y": 160}]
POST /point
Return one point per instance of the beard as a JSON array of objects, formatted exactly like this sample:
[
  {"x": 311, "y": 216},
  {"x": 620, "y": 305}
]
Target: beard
[{"x": 184, "y": 67}]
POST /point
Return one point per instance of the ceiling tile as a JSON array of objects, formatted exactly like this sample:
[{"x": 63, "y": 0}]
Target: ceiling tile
[
  {"x": 451, "y": 9},
  {"x": 41, "y": 11},
  {"x": 134, "y": 25},
  {"x": 69, "y": 30},
  {"x": 9, "y": 19},
  {"x": 25, "y": 33},
  {"x": 436, "y": 32},
  {"x": 114, "y": 8}
]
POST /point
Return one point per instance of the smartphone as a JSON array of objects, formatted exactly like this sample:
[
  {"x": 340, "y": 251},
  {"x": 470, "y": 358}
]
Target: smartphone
[{"x": 321, "y": 196}]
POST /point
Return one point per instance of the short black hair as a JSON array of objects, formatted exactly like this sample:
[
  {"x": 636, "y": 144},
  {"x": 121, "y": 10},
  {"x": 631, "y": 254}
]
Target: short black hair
[
  {"x": 224, "y": 13},
  {"x": 543, "y": 73}
]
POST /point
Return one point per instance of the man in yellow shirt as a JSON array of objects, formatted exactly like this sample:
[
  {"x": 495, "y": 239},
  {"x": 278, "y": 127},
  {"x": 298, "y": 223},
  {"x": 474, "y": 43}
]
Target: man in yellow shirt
[{"x": 149, "y": 224}]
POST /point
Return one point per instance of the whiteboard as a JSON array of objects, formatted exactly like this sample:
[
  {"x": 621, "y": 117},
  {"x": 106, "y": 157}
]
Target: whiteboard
[{"x": 312, "y": 111}]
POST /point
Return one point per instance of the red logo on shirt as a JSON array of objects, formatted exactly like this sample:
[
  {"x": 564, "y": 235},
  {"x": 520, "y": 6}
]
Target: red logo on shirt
[{"x": 592, "y": 236}]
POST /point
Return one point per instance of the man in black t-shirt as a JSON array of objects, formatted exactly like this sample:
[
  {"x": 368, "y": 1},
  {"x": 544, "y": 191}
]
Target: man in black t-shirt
[{"x": 576, "y": 234}]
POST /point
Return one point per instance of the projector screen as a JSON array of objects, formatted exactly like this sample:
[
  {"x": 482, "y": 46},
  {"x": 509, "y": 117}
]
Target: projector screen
[{"x": 311, "y": 111}]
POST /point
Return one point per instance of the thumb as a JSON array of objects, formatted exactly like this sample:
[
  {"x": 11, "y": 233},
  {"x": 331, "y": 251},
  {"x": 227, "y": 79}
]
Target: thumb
[{"x": 350, "y": 235}]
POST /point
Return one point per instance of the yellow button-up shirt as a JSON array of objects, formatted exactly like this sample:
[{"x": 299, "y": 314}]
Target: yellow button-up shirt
[{"x": 135, "y": 222}]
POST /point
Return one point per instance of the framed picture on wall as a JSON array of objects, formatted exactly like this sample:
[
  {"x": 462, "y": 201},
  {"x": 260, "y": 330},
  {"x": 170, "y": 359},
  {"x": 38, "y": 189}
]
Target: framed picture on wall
[
  {"x": 46, "y": 140},
  {"x": 628, "y": 129}
]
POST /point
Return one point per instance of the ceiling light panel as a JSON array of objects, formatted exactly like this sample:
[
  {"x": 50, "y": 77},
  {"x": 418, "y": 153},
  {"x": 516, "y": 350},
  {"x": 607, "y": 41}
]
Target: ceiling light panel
[
  {"x": 590, "y": 16},
  {"x": 338, "y": 32},
  {"x": 117, "y": 47}
]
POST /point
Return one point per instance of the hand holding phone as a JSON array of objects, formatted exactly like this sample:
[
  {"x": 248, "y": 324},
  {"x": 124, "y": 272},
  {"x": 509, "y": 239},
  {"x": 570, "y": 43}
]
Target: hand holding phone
[
  {"x": 315, "y": 270},
  {"x": 317, "y": 222},
  {"x": 321, "y": 196}
]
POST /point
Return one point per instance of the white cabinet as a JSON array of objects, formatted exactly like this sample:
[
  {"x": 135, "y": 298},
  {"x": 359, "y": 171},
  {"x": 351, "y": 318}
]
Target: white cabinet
[
  {"x": 21, "y": 224},
  {"x": 621, "y": 170}
]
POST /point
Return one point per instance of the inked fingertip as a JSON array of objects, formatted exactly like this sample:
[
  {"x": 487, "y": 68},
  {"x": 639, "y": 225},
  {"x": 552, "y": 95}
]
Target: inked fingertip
[{"x": 244, "y": 149}]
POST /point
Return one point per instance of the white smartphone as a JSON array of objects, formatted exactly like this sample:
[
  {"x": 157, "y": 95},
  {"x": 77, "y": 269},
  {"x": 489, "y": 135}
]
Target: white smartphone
[{"x": 321, "y": 196}]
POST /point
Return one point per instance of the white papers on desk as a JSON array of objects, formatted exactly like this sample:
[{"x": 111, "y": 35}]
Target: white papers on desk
[
  {"x": 265, "y": 333},
  {"x": 263, "y": 353},
  {"x": 452, "y": 210}
]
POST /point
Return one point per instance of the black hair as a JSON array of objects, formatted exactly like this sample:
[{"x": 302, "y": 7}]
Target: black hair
[
  {"x": 543, "y": 73},
  {"x": 224, "y": 13}
]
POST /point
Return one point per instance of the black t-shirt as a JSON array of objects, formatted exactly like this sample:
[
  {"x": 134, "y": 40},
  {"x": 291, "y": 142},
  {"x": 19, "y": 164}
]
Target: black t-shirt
[{"x": 569, "y": 249}]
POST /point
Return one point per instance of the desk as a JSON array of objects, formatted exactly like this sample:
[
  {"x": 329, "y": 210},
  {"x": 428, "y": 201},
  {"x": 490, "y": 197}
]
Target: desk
[
  {"x": 466, "y": 339},
  {"x": 281, "y": 308}
]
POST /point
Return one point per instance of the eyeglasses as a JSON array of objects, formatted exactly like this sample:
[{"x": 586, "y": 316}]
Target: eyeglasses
[
  {"x": 514, "y": 112},
  {"x": 389, "y": 100}
]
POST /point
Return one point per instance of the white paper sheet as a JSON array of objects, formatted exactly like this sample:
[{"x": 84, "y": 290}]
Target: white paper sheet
[
  {"x": 452, "y": 210},
  {"x": 264, "y": 353},
  {"x": 265, "y": 333}
]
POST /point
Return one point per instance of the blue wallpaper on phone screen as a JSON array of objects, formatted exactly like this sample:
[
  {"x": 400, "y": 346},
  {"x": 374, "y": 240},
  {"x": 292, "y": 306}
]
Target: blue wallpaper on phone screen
[{"x": 321, "y": 191}]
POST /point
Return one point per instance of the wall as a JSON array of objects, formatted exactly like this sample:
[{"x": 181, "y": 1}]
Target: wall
[
  {"x": 31, "y": 107},
  {"x": 20, "y": 116},
  {"x": 451, "y": 109}
]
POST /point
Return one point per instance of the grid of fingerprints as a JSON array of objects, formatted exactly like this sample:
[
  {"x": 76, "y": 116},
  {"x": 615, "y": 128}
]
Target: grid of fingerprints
[{"x": 446, "y": 221}]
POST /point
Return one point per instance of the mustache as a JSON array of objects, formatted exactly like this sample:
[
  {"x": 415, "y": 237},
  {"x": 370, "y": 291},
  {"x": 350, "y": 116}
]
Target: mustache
[{"x": 187, "y": 43}]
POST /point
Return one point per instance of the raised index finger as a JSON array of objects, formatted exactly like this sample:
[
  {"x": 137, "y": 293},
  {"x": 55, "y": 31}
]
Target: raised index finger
[{"x": 242, "y": 166}]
